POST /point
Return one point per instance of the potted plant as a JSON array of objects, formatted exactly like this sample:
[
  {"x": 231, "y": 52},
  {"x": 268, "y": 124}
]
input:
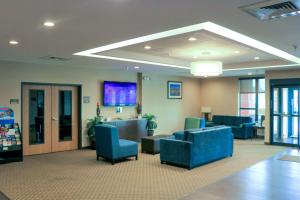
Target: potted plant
[
  {"x": 151, "y": 123},
  {"x": 91, "y": 129}
]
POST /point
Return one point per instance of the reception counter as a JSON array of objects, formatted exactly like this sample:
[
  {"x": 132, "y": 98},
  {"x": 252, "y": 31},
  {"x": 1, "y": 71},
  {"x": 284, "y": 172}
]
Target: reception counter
[{"x": 130, "y": 129}]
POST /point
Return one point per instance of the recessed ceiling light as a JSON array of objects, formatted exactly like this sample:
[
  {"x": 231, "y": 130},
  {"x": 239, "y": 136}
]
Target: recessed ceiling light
[
  {"x": 249, "y": 73},
  {"x": 192, "y": 39},
  {"x": 136, "y": 67},
  {"x": 195, "y": 57},
  {"x": 49, "y": 24},
  {"x": 147, "y": 47},
  {"x": 13, "y": 42},
  {"x": 237, "y": 52},
  {"x": 256, "y": 58}
]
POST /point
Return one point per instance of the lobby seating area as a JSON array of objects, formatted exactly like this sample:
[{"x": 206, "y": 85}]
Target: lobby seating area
[{"x": 188, "y": 148}]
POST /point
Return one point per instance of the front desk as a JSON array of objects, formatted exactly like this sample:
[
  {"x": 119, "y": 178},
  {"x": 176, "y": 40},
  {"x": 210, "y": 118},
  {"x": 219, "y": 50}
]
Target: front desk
[{"x": 131, "y": 129}]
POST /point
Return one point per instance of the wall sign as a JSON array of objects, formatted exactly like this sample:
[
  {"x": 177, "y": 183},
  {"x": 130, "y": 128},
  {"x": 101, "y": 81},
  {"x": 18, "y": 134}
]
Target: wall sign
[
  {"x": 86, "y": 99},
  {"x": 14, "y": 101}
]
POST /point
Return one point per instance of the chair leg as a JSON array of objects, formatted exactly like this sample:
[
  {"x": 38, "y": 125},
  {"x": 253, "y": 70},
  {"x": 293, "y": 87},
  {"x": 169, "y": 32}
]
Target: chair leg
[
  {"x": 112, "y": 162},
  {"x": 136, "y": 157},
  {"x": 97, "y": 157}
]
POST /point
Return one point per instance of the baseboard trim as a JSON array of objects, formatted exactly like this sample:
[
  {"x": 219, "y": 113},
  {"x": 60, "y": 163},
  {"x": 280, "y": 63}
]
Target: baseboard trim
[{"x": 87, "y": 147}]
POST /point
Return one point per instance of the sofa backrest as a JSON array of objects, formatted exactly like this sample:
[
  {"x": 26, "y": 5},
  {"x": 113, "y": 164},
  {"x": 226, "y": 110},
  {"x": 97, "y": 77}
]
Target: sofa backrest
[
  {"x": 107, "y": 139},
  {"x": 231, "y": 120},
  {"x": 183, "y": 135},
  {"x": 211, "y": 144}
]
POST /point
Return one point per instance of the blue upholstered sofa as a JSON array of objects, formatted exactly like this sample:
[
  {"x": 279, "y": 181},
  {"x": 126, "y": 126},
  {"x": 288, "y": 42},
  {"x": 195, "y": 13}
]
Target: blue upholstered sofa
[
  {"x": 242, "y": 127},
  {"x": 110, "y": 147},
  {"x": 197, "y": 147}
]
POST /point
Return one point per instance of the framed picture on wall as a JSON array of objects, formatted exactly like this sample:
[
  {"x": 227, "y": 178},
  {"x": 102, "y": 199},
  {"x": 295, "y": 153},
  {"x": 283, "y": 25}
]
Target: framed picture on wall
[{"x": 174, "y": 90}]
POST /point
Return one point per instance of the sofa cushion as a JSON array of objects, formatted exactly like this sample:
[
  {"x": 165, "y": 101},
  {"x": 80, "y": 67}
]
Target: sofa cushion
[
  {"x": 231, "y": 120},
  {"x": 228, "y": 121},
  {"x": 179, "y": 135}
]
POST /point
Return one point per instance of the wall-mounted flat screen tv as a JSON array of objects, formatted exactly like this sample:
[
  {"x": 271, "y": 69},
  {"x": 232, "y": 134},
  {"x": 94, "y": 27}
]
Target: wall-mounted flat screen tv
[{"x": 119, "y": 93}]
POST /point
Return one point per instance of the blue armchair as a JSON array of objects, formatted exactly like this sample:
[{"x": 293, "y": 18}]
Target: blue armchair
[
  {"x": 110, "y": 147},
  {"x": 194, "y": 122}
]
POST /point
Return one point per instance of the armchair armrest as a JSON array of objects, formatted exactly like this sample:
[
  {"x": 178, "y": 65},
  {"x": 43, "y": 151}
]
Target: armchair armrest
[
  {"x": 247, "y": 125},
  {"x": 179, "y": 135},
  {"x": 209, "y": 124},
  {"x": 248, "y": 129},
  {"x": 176, "y": 151}
]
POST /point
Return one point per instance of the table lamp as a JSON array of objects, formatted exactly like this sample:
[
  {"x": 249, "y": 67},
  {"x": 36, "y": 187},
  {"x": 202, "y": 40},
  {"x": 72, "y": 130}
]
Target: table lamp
[{"x": 206, "y": 111}]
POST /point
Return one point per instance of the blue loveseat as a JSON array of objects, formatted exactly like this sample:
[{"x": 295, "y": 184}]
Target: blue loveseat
[
  {"x": 198, "y": 147},
  {"x": 242, "y": 127},
  {"x": 110, "y": 147}
]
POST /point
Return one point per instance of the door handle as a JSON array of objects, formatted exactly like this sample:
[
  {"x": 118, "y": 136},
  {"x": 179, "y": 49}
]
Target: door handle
[{"x": 54, "y": 119}]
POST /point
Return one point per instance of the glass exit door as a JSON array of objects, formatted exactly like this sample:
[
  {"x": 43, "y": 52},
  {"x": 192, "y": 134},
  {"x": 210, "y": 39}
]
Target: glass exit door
[{"x": 285, "y": 115}]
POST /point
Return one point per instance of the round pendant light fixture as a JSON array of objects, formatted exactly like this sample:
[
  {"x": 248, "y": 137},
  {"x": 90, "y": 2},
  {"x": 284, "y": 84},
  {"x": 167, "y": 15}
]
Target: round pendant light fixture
[{"x": 206, "y": 68}]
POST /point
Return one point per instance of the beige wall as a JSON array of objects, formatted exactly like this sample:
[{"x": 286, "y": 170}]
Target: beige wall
[
  {"x": 275, "y": 75},
  {"x": 221, "y": 94},
  {"x": 170, "y": 113},
  {"x": 12, "y": 74}
]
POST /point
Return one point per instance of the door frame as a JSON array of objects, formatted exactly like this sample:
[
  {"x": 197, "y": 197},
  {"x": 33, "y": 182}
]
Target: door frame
[
  {"x": 79, "y": 100},
  {"x": 279, "y": 83}
]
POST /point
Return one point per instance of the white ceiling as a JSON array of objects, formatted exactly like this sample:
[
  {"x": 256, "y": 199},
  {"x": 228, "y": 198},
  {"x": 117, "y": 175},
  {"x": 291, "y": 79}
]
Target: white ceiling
[
  {"x": 208, "y": 46},
  {"x": 82, "y": 25}
]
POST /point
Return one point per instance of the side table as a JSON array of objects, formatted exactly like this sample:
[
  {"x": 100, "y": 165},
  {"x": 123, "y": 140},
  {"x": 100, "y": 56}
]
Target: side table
[
  {"x": 151, "y": 144},
  {"x": 255, "y": 130}
]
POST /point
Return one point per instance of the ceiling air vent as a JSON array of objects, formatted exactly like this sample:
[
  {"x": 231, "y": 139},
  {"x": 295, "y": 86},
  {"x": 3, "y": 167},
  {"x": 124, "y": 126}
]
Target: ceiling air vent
[
  {"x": 273, "y": 9},
  {"x": 54, "y": 58}
]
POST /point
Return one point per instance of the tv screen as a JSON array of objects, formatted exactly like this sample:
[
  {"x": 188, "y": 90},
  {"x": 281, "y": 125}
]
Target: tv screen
[{"x": 119, "y": 93}]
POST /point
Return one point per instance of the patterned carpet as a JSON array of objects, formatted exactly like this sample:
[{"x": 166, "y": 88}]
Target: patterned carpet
[{"x": 77, "y": 175}]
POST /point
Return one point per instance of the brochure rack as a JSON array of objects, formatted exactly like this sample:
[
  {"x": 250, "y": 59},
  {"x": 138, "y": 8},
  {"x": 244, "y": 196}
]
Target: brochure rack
[{"x": 10, "y": 137}]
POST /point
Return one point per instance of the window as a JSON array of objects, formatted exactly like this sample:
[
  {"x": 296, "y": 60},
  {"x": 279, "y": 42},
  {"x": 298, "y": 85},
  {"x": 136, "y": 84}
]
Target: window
[{"x": 252, "y": 98}]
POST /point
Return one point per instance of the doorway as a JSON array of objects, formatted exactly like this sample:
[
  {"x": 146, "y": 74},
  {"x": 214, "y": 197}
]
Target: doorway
[
  {"x": 49, "y": 118},
  {"x": 285, "y": 116}
]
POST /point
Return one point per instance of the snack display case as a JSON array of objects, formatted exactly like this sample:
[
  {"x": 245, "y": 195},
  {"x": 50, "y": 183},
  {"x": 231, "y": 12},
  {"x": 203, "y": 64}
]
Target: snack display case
[{"x": 10, "y": 137}]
